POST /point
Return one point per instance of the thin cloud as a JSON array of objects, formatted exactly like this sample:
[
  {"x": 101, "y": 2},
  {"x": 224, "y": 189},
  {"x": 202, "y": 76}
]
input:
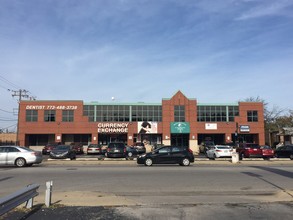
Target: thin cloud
[{"x": 270, "y": 8}]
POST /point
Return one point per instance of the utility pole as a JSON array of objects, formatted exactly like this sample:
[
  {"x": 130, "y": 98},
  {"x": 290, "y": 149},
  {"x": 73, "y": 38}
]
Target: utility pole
[{"x": 21, "y": 93}]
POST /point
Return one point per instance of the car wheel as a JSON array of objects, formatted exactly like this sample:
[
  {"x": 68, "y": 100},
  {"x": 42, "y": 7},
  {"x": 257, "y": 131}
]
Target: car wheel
[
  {"x": 185, "y": 162},
  {"x": 291, "y": 157},
  {"x": 148, "y": 162},
  {"x": 20, "y": 162},
  {"x": 129, "y": 154}
]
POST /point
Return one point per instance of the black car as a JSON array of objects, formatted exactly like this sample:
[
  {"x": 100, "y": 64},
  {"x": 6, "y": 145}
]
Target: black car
[
  {"x": 167, "y": 155},
  {"x": 63, "y": 152},
  {"x": 285, "y": 151},
  {"x": 131, "y": 151},
  {"x": 117, "y": 150}
]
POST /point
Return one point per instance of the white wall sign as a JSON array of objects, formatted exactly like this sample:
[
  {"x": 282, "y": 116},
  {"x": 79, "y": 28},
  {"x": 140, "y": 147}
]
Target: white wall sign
[{"x": 211, "y": 126}]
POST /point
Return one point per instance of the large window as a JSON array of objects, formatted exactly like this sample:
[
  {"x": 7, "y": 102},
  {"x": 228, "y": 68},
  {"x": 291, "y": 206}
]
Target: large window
[
  {"x": 89, "y": 110},
  {"x": 31, "y": 115},
  {"x": 232, "y": 112},
  {"x": 215, "y": 113},
  {"x": 49, "y": 115},
  {"x": 252, "y": 116},
  {"x": 146, "y": 113},
  {"x": 67, "y": 115},
  {"x": 123, "y": 113},
  {"x": 179, "y": 113}
]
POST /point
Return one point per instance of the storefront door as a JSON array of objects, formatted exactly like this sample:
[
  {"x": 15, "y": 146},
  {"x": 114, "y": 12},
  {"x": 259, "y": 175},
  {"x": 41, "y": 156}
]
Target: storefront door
[{"x": 180, "y": 140}]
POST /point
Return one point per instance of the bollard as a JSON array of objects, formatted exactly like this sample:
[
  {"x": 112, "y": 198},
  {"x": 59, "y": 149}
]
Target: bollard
[
  {"x": 235, "y": 157},
  {"x": 48, "y": 196}
]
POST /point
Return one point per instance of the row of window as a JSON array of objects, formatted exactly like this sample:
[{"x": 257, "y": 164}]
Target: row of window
[
  {"x": 50, "y": 115},
  {"x": 144, "y": 113},
  {"x": 217, "y": 113}
]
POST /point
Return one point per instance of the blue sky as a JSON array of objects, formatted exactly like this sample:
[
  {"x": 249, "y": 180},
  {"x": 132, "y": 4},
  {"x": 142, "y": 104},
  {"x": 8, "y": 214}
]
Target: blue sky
[{"x": 145, "y": 50}]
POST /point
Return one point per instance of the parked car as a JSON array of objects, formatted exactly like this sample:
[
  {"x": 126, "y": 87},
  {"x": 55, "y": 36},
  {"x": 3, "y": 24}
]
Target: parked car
[
  {"x": 140, "y": 147},
  {"x": 167, "y": 155},
  {"x": 94, "y": 149},
  {"x": 285, "y": 151},
  {"x": 19, "y": 156},
  {"x": 116, "y": 149},
  {"x": 131, "y": 151},
  {"x": 63, "y": 152},
  {"x": 249, "y": 150},
  {"x": 49, "y": 147},
  {"x": 267, "y": 152},
  {"x": 78, "y": 147},
  {"x": 219, "y": 151}
]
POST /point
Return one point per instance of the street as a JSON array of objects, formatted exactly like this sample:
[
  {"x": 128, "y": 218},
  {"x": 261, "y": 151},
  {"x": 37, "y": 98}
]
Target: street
[{"x": 163, "y": 191}]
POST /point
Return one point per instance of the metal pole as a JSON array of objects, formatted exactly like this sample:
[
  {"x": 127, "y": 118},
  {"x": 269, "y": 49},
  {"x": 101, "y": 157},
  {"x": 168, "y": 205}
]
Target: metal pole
[{"x": 48, "y": 196}]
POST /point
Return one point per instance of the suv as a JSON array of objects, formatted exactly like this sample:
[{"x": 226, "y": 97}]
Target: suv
[
  {"x": 116, "y": 150},
  {"x": 249, "y": 150},
  {"x": 168, "y": 155}
]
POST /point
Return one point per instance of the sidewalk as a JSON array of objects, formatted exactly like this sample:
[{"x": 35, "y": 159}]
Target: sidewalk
[{"x": 199, "y": 160}]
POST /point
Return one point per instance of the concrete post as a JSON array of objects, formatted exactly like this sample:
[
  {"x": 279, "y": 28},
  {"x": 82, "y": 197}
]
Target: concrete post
[{"x": 48, "y": 196}]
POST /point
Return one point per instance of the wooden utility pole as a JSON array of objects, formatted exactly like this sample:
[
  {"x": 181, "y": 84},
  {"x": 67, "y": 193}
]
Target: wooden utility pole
[{"x": 21, "y": 93}]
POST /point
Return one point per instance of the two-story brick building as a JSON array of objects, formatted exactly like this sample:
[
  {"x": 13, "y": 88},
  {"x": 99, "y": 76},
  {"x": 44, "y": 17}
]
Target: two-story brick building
[{"x": 178, "y": 120}]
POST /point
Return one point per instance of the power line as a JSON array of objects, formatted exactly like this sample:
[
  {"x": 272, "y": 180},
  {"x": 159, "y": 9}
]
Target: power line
[
  {"x": 6, "y": 111},
  {"x": 8, "y": 82}
]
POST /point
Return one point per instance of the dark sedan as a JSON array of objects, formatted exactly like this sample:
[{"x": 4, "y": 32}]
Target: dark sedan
[
  {"x": 167, "y": 155},
  {"x": 285, "y": 151},
  {"x": 63, "y": 152}
]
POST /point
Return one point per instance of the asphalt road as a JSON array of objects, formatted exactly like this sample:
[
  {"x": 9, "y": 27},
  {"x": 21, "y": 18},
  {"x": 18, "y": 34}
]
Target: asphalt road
[{"x": 158, "y": 192}]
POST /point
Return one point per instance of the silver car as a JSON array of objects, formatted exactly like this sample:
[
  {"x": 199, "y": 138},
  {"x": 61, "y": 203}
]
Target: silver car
[{"x": 19, "y": 156}]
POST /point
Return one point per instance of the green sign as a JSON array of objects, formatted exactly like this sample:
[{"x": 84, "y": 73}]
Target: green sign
[{"x": 180, "y": 128}]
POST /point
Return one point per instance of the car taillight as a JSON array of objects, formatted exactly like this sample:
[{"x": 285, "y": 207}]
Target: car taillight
[
  {"x": 190, "y": 151},
  {"x": 108, "y": 150},
  {"x": 124, "y": 150},
  {"x": 218, "y": 150},
  {"x": 34, "y": 153}
]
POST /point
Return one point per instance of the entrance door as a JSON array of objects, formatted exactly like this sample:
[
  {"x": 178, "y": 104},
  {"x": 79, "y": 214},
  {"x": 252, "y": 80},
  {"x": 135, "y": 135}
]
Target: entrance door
[{"x": 180, "y": 140}]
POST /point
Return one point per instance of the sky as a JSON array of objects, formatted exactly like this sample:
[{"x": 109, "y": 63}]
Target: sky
[{"x": 215, "y": 51}]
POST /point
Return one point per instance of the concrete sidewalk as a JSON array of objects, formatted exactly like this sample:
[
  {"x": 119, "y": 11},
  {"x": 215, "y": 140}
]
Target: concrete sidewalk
[{"x": 198, "y": 161}]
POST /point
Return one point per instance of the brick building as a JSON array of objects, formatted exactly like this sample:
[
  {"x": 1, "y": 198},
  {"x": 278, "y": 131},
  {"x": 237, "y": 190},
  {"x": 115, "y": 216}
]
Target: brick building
[{"x": 178, "y": 120}]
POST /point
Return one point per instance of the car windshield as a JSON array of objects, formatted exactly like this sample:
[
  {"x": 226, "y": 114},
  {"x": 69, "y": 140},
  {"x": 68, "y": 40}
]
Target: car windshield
[
  {"x": 26, "y": 149},
  {"x": 223, "y": 147},
  {"x": 62, "y": 147},
  {"x": 116, "y": 145}
]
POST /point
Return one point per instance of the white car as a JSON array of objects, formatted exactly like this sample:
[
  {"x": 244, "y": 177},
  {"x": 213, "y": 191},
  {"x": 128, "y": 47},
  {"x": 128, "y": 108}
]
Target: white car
[
  {"x": 219, "y": 151},
  {"x": 19, "y": 156}
]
